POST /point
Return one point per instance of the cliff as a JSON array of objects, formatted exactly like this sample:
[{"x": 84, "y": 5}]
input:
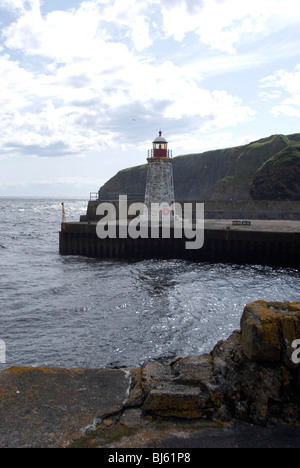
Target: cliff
[{"x": 224, "y": 174}]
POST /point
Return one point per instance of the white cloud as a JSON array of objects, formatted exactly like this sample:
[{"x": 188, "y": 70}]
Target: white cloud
[
  {"x": 224, "y": 25},
  {"x": 82, "y": 76},
  {"x": 83, "y": 32},
  {"x": 36, "y": 111},
  {"x": 287, "y": 85},
  {"x": 285, "y": 109},
  {"x": 266, "y": 96},
  {"x": 92, "y": 81},
  {"x": 12, "y": 4},
  {"x": 288, "y": 81},
  {"x": 134, "y": 16},
  {"x": 218, "y": 108},
  {"x": 61, "y": 36},
  {"x": 210, "y": 141}
]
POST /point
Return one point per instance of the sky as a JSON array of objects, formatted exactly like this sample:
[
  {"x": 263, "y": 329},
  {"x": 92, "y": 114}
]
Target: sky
[{"x": 85, "y": 86}]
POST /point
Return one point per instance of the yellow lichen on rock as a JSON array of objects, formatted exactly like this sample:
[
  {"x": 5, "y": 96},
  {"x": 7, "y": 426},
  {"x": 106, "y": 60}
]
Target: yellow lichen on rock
[{"x": 268, "y": 330}]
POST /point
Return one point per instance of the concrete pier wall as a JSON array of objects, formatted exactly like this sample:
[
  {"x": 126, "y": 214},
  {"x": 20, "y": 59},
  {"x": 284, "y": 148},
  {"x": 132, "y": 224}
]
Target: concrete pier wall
[{"x": 277, "y": 247}]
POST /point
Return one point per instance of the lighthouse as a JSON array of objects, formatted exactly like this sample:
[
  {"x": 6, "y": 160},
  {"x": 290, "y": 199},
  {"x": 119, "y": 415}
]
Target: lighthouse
[{"x": 159, "y": 182}]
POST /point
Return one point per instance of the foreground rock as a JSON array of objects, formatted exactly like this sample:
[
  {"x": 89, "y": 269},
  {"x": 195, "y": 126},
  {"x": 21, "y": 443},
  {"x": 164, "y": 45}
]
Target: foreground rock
[
  {"x": 51, "y": 407},
  {"x": 250, "y": 378}
]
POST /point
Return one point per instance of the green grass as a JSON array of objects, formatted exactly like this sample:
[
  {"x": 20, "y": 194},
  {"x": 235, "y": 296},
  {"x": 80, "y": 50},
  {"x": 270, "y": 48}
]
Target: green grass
[{"x": 289, "y": 155}]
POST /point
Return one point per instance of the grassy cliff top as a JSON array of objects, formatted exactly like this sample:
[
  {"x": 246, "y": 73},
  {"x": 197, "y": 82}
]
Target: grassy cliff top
[{"x": 289, "y": 155}]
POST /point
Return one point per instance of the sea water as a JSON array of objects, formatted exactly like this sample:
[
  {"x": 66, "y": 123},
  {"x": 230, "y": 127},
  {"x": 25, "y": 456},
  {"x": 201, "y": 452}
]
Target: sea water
[{"x": 81, "y": 312}]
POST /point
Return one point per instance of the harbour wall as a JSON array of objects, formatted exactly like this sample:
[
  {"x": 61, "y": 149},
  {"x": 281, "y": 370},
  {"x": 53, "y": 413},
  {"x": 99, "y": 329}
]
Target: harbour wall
[{"x": 222, "y": 243}]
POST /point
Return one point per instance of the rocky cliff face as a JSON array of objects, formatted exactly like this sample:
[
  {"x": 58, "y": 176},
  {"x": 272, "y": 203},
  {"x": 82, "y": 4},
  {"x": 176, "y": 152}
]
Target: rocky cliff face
[
  {"x": 224, "y": 174},
  {"x": 131, "y": 181}
]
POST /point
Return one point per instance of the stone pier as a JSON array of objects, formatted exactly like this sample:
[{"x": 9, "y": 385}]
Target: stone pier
[{"x": 265, "y": 242}]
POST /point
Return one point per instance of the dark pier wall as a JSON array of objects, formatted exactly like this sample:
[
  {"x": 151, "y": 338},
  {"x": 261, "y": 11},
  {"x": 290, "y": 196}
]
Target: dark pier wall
[{"x": 278, "y": 248}]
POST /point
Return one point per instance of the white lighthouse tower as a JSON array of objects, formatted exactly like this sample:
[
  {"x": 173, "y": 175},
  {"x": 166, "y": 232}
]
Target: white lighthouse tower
[{"x": 159, "y": 183}]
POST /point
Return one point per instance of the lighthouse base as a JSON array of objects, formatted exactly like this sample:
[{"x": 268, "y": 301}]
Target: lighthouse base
[{"x": 159, "y": 183}]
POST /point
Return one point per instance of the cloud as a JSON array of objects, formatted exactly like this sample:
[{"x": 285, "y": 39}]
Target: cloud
[
  {"x": 227, "y": 25},
  {"x": 222, "y": 25},
  {"x": 15, "y": 5},
  {"x": 208, "y": 142},
  {"x": 287, "y": 86},
  {"x": 61, "y": 35},
  {"x": 83, "y": 32},
  {"x": 285, "y": 109},
  {"x": 288, "y": 81},
  {"x": 52, "y": 150},
  {"x": 134, "y": 17},
  {"x": 94, "y": 81},
  {"x": 74, "y": 80}
]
